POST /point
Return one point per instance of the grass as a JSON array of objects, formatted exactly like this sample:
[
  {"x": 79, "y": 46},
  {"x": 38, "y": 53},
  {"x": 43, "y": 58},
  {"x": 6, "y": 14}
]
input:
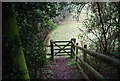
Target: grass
[{"x": 72, "y": 64}]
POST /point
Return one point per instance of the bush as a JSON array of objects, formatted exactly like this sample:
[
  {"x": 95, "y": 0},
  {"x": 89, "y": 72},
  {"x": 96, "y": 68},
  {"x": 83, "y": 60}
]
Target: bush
[{"x": 50, "y": 24}]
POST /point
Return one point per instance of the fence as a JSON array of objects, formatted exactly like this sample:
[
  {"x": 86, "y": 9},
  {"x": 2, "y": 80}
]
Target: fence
[
  {"x": 73, "y": 52},
  {"x": 109, "y": 60}
]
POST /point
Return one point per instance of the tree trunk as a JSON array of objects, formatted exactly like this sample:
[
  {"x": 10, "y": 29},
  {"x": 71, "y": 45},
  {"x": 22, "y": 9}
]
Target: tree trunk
[
  {"x": 14, "y": 64},
  {"x": 103, "y": 29}
]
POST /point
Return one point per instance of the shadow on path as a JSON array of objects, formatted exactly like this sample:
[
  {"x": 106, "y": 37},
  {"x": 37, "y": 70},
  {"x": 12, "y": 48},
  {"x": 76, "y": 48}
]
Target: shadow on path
[{"x": 58, "y": 69}]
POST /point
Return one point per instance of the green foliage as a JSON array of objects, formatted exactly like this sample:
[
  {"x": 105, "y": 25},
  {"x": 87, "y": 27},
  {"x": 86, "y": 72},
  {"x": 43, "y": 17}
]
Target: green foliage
[
  {"x": 50, "y": 24},
  {"x": 14, "y": 65},
  {"x": 49, "y": 72},
  {"x": 72, "y": 64},
  {"x": 81, "y": 37},
  {"x": 10, "y": 47},
  {"x": 103, "y": 24},
  {"x": 28, "y": 17}
]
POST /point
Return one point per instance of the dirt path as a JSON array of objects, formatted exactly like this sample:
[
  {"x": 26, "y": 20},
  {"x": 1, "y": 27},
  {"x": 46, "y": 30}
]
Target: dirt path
[
  {"x": 58, "y": 69},
  {"x": 66, "y": 29}
]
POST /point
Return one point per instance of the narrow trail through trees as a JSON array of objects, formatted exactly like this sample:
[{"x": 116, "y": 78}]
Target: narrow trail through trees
[{"x": 59, "y": 69}]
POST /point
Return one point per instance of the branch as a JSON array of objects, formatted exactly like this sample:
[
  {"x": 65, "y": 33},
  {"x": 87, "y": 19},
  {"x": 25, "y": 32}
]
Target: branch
[
  {"x": 104, "y": 33},
  {"x": 87, "y": 36},
  {"x": 94, "y": 33}
]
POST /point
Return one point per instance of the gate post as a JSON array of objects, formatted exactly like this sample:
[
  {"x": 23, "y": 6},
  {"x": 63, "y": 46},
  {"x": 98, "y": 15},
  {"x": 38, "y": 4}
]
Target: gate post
[
  {"x": 72, "y": 46},
  {"x": 85, "y": 55},
  {"x": 76, "y": 52},
  {"x": 52, "y": 49}
]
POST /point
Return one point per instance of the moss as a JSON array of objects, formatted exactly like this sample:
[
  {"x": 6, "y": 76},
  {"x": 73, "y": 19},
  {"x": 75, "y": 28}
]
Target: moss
[{"x": 10, "y": 30}]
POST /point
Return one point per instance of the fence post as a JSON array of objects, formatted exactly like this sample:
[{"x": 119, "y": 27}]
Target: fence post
[
  {"x": 85, "y": 55},
  {"x": 76, "y": 52},
  {"x": 72, "y": 46},
  {"x": 52, "y": 49}
]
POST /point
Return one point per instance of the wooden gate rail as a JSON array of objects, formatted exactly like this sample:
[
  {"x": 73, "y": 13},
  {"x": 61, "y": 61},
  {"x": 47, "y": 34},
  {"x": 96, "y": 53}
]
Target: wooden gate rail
[
  {"x": 61, "y": 45},
  {"x": 82, "y": 72},
  {"x": 60, "y": 41},
  {"x": 91, "y": 69},
  {"x": 65, "y": 49},
  {"x": 109, "y": 60}
]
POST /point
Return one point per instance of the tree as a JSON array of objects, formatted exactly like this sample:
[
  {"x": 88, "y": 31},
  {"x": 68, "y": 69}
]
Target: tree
[
  {"x": 34, "y": 23},
  {"x": 14, "y": 64},
  {"x": 103, "y": 23}
]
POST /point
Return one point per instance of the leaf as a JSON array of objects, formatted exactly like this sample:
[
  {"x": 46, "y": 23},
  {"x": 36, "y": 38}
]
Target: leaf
[
  {"x": 50, "y": 72},
  {"x": 72, "y": 64}
]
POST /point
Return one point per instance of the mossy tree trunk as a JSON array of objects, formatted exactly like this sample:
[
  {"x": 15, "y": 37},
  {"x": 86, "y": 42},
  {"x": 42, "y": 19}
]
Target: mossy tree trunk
[{"x": 14, "y": 65}]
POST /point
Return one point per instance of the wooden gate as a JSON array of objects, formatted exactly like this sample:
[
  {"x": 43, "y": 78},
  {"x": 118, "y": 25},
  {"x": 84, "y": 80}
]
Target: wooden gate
[
  {"x": 61, "y": 48},
  {"x": 82, "y": 61}
]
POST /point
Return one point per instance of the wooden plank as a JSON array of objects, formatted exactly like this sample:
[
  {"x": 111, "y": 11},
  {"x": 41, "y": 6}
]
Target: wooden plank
[
  {"x": 62, "y": 52},
  {"x": 48, "y": 54},
  {"x": 63, "y": 49},
  {"x": 60, "y": 41},
  {"x": 109, "y": 60},
  {"x": 63, "y": 55},
  {"x": 62, "y": 45},
  {"x": 92, "y": 70},
  {"x": 82, "y": 72},
  {"x": 113, "y": 55}
]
